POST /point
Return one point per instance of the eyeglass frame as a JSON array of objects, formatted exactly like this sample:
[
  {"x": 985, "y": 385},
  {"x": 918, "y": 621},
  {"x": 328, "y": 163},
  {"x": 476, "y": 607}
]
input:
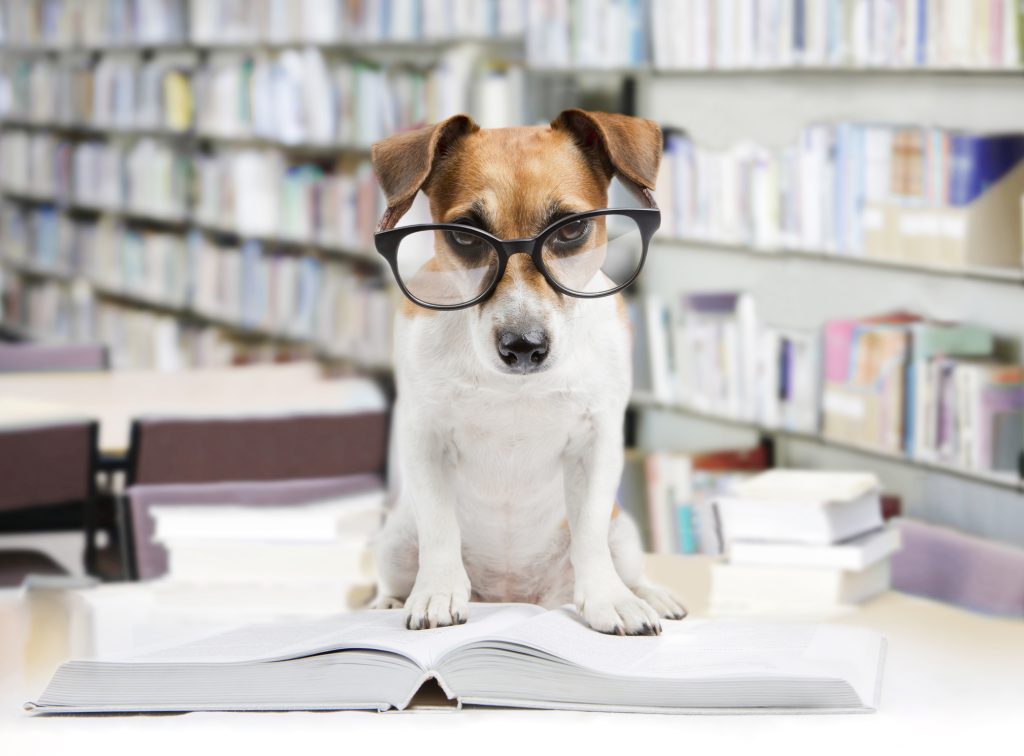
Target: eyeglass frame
[{"x": 387, "y": 242}]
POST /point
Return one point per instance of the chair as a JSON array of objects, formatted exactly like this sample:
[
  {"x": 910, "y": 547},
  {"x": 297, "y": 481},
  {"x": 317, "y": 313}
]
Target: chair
[
  {"x": 47, "y": 473},
  {"x": 41, "y": 358},
  {"x": 254, "y": 450},
  {"x": 946, "y": 565},
  {"x": 150, "y": 558}
]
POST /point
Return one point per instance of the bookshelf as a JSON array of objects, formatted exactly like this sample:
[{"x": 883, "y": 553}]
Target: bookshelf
[
  {"x": 440, "y": 62},
  {"x": 1000, "y": 480},
  {"x": 720, "y": 102}
]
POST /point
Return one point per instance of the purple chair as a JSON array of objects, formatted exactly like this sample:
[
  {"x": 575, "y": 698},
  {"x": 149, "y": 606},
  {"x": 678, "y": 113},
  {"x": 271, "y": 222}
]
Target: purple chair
[
  {"x": 150, "y": 557},
  {"x": 46, "y": 473},
  {"x": 243, "y": 451},
  {"x": 43, "y": 358},
  {"x": 974, "y": 573}
]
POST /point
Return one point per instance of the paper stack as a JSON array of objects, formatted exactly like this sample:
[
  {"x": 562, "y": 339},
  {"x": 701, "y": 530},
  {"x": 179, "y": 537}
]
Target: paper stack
[{"x": 802, "y": 543}]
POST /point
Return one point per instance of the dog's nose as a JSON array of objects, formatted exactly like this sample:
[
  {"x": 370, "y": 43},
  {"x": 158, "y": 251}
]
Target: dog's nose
[{"x": 523, "y": 352}]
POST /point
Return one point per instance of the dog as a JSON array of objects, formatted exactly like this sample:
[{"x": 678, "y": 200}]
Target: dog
[{"x": 509, "y": 418}]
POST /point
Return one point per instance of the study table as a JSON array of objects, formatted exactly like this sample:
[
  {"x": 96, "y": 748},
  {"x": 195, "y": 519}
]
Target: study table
[
  {"x": 954, "y": 683},
  {"x": 115, "y": 398}
]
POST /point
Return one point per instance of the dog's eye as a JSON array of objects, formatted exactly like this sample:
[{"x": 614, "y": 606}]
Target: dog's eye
[
  {"x": 572, "y": 234},
  {"x": 464, "y": 243}
]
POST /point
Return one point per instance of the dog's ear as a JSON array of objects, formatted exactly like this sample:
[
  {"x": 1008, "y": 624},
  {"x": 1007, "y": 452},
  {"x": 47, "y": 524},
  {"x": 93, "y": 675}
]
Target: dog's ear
[
  {"x": 403, "y": 162},
  {"x": 626, "y": 145}
]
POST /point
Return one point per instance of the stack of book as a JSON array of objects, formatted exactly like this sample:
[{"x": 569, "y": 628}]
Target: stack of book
[
  {"x": 802, "y": 542},
  {"x": 742, "y": 34},
  {"x": 320, "y": 542},
  {"x": 909, "y": 194}
]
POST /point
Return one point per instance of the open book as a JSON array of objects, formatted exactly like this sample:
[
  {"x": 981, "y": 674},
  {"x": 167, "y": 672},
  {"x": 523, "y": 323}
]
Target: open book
[{"x": 507, "y": 655}]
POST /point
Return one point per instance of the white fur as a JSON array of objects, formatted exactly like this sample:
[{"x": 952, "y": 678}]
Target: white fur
[{"x": 509, "y": 481}]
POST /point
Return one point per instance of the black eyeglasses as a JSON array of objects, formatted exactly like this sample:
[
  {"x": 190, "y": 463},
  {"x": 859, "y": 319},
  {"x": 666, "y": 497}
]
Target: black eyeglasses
[{"x": 448, "y": 266}]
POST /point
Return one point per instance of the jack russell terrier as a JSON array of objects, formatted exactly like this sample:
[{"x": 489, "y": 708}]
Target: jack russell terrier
[{"x": 513, "y": 370}]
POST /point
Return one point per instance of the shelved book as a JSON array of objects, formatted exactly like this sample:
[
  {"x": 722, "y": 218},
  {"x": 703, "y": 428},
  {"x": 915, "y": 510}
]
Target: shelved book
[
  {"x": 670, "y": 495},
  {"x": 802, "y": 542},
  {"x": 709, "y": 351},
  {"x": 509, "y": 655}
]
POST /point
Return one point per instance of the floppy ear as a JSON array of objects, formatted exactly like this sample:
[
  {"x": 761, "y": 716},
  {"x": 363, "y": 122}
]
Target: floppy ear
[
  {"x": 403, "y": 162},
  {"x": 626, "y": 145}
]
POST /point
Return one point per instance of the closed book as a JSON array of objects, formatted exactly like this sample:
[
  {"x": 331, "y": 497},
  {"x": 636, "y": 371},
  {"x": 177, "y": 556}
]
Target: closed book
[
  {"x": 980, "y": 161},
  {"x": 855, "y": 554},
  {"x": 743, "y": 589},
  {"x": 301, "y": 562},
  {"x": 797, "y": 506},
  {"x": 353, "y": 517}
]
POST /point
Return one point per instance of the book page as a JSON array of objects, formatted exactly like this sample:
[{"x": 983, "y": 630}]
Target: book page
[
  {"x": 708, "y": 648},
  {"x": 369, "y": 629}
]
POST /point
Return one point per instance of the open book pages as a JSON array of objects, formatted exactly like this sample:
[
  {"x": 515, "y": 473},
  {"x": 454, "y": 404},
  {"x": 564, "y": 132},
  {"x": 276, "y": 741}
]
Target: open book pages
[{"x": 506, "y": 655}]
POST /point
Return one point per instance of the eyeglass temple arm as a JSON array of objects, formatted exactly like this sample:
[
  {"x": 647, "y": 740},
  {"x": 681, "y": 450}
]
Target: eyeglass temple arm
[{"x": 394, "y": 213}]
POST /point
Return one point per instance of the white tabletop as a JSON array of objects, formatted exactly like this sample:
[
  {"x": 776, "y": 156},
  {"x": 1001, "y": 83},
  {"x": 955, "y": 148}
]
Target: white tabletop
[
  {"x": 116, "y": 398},
  {"x": 953, "y": 681}
]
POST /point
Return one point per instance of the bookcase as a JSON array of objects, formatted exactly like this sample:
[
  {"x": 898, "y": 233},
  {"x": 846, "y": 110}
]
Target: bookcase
[{"x": 189, "y": 181}]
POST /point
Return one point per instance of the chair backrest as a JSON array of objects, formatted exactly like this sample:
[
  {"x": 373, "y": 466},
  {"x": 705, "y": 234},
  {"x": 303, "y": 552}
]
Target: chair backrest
[
  {"x": 946, "y": 565},
  {"x": 149, "y": 558},
  {"x": 47, "y": 464},
  {"x": 41, "y": 358},
  {"x": 209, "y": 450}
]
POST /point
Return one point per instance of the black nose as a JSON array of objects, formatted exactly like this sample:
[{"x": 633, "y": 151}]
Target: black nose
[{"x": 523, "y": 352}]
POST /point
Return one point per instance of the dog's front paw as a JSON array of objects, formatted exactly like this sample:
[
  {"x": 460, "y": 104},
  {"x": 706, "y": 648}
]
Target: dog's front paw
[
  {"x": 427, "y": 609},
  {"x": 619, "y": 613},
  {"x": 386, "y": 602},
  {"x": 663, "y": 602}
]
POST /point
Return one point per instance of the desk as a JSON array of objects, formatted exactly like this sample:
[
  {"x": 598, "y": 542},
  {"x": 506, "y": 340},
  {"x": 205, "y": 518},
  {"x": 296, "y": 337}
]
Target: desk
[
  {"x": 953, "y": 681},
  {"x": 116, "y": 398}
]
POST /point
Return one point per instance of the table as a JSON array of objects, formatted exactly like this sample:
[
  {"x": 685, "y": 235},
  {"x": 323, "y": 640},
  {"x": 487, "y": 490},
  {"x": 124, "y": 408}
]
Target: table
[
  {"x": 116, "y": 398},
  {"x": 953, "y": 681}
]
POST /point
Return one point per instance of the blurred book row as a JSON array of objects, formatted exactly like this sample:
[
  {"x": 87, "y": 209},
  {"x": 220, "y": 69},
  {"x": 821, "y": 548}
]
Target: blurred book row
[
  {"x": 293, "y": 96},
  {"x": 253, "y": 287},
  {"x": 147, "y": 177},
  {"x": 909, "y": 194},
  {"x": 250, "y": 191},
  {"x": 667, "y": 34},
  {"x": 898, "y": 383},
  {"x": 54, "y": 312},
  {"x": 753, "y": 34},
  {"x": 113, "y": 23}
]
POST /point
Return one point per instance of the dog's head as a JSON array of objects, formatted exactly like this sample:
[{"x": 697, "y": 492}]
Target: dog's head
[{"x": 513, "y": 183}]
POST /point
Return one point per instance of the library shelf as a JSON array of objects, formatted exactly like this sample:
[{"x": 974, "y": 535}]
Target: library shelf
[
  {"x": 652, "y": 71},
  {"x": 1009, "y": 481},
  {"x": 367, "y": 46},
  {"x": 134, "y": 215},
  {"x": 346, "y": 252},
  {"x": 91, "y": 130},
  {"x": 1010, "y": 276},
  {"x": 185, "y": 313}
]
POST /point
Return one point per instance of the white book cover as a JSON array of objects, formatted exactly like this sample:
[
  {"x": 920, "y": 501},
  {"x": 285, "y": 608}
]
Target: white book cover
[
  {"x": 327, "y": 521},
  {"x": 854, "y": 555}
]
